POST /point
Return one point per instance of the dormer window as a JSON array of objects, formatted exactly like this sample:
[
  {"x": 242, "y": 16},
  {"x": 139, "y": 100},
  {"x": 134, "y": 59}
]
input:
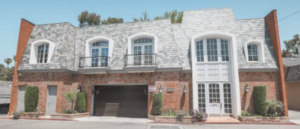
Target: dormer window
[
  {"x": 42, "y": 56},
  {"x": 41, "y": 51},
  {"x": 252, "y": 53},
  {"x": 99, "y": 52}
]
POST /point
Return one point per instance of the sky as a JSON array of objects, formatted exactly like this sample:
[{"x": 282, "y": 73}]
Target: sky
[{"x": 55, "y": 11}]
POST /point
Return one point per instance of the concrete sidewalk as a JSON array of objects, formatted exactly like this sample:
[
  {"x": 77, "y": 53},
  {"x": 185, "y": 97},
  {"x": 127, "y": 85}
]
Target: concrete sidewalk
[
  {"x": 294, "y": 116},
  {"x": 46, "y": 124},
  {"x": 115, "y": 119}
]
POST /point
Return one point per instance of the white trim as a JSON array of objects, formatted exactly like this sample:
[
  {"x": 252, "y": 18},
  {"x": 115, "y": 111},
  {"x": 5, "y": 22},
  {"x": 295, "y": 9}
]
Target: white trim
[
  {"x": 141, "y": 35},
  {"x": 34, "y": 50},
  {"x": 236, "y": 103},
  {"x": 260, "y": 47},
  {"x": 95, "y": 39}
]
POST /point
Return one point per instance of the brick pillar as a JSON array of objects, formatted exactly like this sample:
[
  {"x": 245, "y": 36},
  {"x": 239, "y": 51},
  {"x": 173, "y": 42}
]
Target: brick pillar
[
  {"x": 26, "y": 28},
  {"x": 272, "y": 24}
]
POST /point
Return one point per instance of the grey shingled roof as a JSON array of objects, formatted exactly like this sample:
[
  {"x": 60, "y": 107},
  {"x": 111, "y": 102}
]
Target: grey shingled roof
[
  {"x": 291, "y": 61},
  {"x": 174, "y": 39}
]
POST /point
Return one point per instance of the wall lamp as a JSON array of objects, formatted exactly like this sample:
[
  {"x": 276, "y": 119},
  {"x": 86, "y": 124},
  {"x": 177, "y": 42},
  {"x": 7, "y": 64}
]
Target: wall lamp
[
  {"x": 247, "y": 88},
  {"x": 184, "y": 89},
  {"x": 160, "y": 89}
]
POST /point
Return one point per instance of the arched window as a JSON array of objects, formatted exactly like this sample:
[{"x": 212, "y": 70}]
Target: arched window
[
  {"x": 212, "y": 50},
  {"x": 43, "y": 51},
  {"x": 254, "y": 51},
  {"x": 142, "y": 48},
  {"x": 99, "y": 53}
]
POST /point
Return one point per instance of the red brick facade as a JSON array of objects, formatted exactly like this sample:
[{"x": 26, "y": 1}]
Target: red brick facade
[
  {"x": 272, "y": 24},
  {"x": 268, "y": 79},
  {"x": 64, "y": 82},
  {"x": 24, "y": 34}
]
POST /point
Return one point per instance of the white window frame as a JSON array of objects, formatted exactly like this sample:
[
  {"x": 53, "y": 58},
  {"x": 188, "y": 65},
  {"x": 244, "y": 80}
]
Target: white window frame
[
  {"x": 141, "y": 35},
  {"x": 34, "y": 51},
  {"x": 260, "y": 50},
  {"x": 89, "y": 45}
]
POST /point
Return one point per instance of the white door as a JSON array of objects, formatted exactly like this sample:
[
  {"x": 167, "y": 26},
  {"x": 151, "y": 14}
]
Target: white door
[
  {"x": 214, "y": 99},
  {"x": 51, "y": 100},
  {"x": 21, "y": 96}
]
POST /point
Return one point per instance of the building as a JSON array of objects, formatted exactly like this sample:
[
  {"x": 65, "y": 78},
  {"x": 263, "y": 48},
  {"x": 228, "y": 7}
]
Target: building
[
  {"x": 211, "y": 60},
  {"x": 5, "y": 90},
  {"x": 292, "y": 79}
]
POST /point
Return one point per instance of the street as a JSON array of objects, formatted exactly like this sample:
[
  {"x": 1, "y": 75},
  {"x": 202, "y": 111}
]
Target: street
[{"x": 46, "y": 124}]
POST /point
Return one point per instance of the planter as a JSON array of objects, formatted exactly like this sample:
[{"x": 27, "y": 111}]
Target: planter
[
  {"x": 69, "y": 116},
  {"x": 31, "y": 115},
  {"x": 171, "y": 119},
  {"x": 258, "y": 119}
]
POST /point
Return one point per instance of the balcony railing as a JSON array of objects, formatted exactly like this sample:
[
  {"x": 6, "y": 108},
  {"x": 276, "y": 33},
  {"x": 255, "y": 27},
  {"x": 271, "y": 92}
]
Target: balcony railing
[
  {"x": 140, "y": 59},
  {"x": 96, "y": 61}
]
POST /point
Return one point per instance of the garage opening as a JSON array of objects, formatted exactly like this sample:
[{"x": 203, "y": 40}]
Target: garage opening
[{"x": 121, "y": 101}]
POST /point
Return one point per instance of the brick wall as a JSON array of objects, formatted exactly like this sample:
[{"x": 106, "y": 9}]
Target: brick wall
[
  {"x": 24, "y": 34},
  {"x": 64, "y": 82},
  {"x": 268, "y": 79},
  {"x": 272, "y": 25}
]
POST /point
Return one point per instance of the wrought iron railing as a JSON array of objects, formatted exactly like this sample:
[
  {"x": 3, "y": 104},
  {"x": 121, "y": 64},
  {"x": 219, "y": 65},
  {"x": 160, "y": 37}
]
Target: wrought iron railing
[
  {"x": 95, "y": 61},
  {"x": 140, "y": 59}
]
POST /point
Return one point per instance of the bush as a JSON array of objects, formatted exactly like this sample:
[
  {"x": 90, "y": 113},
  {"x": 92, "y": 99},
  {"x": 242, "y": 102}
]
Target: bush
[
  {"x": 169, "y": 112},
  {"x": 198, "y": 115},
  {"x": 31, "y": 98},
  {"x": 71, "y": 97},
  {"x": 81, "y": 102},
  {"x": 275, "y": 108},
  {"x": 259, "y": 97},
  {"x": 245, "y": 113},
  {"x": 157, "y": 104},
  {"x": 16, "y": 115}
]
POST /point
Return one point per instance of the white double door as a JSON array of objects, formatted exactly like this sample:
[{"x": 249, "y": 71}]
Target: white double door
[
  {"x": 143, "y": 54},
  {"x": 215, "y": 98},
  {"x": 99, "y": 57}
]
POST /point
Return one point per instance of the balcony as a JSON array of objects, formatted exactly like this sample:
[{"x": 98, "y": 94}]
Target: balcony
[
  {"x": 96, "y": 64},
  {"x": 140, "y": 62}
]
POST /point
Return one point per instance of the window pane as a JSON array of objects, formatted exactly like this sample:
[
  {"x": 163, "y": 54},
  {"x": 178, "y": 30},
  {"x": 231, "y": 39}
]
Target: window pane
[
  {"x": 199, "y": 51},
  {"x": 201, "y": 96},
  {"x": 143, "y": 40},
  {"x": 212, "y": 50},
  {"x": 214, "y": 93},
  {"x": 224, "y": 50},
  {"x": 252, "y": 52},
  {"x": 227, "y": 98}
]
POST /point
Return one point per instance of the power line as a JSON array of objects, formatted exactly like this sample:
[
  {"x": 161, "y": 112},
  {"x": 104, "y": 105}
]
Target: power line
[{"x": 289, "y": 15}]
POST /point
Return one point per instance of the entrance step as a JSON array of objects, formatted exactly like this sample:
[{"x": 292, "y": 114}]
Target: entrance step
[{"x": 221, "y": 120}]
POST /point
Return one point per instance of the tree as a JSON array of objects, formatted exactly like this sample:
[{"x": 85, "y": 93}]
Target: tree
[
  {"x": 145, "y": 17},
  {"x": 291, "y": 46},
  {"x": 176, "y": 17},
  {"x": 112, "y": 20},
  {"x": 88, "y": 19},
  {"x": 71, "y": 96},
  {"x": 8, "y": 61}
]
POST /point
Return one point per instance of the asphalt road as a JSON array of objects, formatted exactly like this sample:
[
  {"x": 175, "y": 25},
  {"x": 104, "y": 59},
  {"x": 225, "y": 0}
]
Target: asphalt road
[{"x": 46, "y": 124}]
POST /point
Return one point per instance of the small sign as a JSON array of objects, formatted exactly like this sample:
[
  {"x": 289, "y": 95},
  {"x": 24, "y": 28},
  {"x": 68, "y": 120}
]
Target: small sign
[
  {"x": 170, "y": 90},
  {"x": 151, "y": 88}
]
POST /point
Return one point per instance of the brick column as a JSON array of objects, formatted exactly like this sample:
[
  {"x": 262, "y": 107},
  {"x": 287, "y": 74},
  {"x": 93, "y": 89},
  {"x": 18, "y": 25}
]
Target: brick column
[
  {"x": 26, "y": 28},
  {"x": 272, "y": 24}
]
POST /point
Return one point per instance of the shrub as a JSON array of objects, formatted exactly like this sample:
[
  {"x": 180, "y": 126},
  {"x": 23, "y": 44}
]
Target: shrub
[
  {"x": 71, "y": 97},
  {"x": 198, "y": 115},
  {"x": 169, "y": 112},
  {"x": 81, "y": 102},
  {"x": 259, "y": 97},
  {"x": 16, "y": 115},
  {"x": 31, "y": 98},
  {"x": 275, "y": 108},
  {"x": 157, "y": 104},
  {"x": 245, "y": 113}
]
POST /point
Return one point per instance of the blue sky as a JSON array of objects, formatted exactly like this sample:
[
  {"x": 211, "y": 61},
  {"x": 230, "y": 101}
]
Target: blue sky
[{"x": 54, "y": 11}]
